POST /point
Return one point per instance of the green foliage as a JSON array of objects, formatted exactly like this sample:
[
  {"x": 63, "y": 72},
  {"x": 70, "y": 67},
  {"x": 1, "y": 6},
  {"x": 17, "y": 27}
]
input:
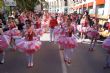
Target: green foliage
[
  {"x": 28, "y": 4},
  {"x": 1, "y": 3}
]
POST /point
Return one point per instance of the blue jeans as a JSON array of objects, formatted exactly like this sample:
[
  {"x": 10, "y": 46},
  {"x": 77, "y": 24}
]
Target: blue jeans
[{"x": 51, "y": 34}]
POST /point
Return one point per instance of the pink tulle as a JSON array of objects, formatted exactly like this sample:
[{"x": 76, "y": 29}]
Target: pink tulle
[
  {"x": 70, "y": 42},
  {"x": 106, "y": 43},
  {"x": 67, "y": 42},
  {"x": 92, "y": 33},
  {"x": 61, "y": 41},
  {"x": 39, "y": 31},
  {"x": 15, "y": 33},
  {"x": 28, "y": 47},
  {"x": 57, "y": 31},
  {"x": 74, "y": 26},
  {"x": 7, "y": 33},
  {"x": 4, "y": 41}
]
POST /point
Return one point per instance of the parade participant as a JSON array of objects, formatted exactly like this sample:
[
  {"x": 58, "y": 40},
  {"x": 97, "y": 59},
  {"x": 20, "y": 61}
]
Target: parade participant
[
  {"x": 52, "y": 24},
  {"x": 60, "y": 19},
  {"x": 29, "y": 44},
  {"x": 93, "y": 34},
  {"x": 1, "y": 50},
  {"x": 84, "y": 25},
  {"x": 14, "y": 33},
  {"x": 68, "y": 42},
  {"x": 1, "y": 23},
  {"x": 4, "y": 44},
  {"x": 62, "y": 31},
  {"x": 106, "y": 46},
  {"x": 74, "y": 25},
  {"x": 45, "y": 22}
]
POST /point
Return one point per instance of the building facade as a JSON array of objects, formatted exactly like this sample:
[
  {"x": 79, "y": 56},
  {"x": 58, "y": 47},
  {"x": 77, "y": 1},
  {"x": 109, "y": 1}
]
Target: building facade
[
  {"x": 99, "y": 8},
  {"x": 56, "y": 6},
  {"x": 60, "y": 6},
  {"x": 95, "y": 7}
]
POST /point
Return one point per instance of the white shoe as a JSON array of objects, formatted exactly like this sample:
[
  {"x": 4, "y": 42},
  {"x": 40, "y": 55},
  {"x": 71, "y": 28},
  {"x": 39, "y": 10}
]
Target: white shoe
[
  {"x": 31, "y": 64},
  {"x": 2, "y": 61}
]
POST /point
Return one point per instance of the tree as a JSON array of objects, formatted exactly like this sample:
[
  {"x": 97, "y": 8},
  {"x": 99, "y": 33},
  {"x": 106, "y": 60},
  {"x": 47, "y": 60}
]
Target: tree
[
  {"x": 1, "y": 3},
  {"x": 28, "y": 4}
]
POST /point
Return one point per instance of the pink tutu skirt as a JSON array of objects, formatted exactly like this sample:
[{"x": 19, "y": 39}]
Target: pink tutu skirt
[
  {"x": 8, "y": 33},
  {"x": 61, "y": 41},
  {"x": 39, "y": 32},
  {"x": 67, "y": 42},
  {"x": 56, "y": 33},
  {"x": 28, "y": 47},
  {"x": 106, "y": 44},
  {"x": 4, "y": 41},
  {"x": 15, "y": 33},
  {"x": 70, "y": 42},
  {"x": 74, "y": 26},
  {"x": 93, "y": 34}
]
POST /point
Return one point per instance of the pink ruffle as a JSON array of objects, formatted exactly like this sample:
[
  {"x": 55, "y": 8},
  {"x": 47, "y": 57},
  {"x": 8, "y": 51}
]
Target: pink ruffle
[
  {"x": 106, "y": 43},
  {"x": 28, "y": 47},
  {"x": 67, "y": 42},
  {"x": 93, "y": 34},
  {"x": 39, "y": 31},
  {"x": 4, "y": 41},
  {"x": 15, "y": 33},
  {"x": 7, "y": 33}
]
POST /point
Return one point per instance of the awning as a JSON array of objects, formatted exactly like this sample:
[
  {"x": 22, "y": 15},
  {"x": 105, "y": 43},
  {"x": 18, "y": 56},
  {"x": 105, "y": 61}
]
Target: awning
[
  {"x": 77, "y": 7},
  {"x": 85, "y": 5},
  {"x": 99, "y": 2},
  {"x": 90, "y": 4}
]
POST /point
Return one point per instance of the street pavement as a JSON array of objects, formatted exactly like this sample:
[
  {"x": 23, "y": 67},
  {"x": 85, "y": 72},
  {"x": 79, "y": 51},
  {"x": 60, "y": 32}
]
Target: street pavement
[{"x": 49, "y": 59}]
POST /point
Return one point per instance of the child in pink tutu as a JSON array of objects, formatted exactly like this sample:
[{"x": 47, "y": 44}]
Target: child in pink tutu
[
  {"x": 68, "y": 42},
  {"x": 62, "y": 33},
  {"x": 14, "y": 32},
  {"x": 29, "y": 37},
  {"x": 1, "y": 50},
  {"x": 29, "y": 44},
  {"x": 84, "y": 24},
  {"x": 4, "y": 44},
  {"x": 93, "y": 34},
  {"x": 106, "y": 45}
]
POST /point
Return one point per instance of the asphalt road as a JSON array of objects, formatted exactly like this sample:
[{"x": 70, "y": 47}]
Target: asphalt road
[{"x": 49, "y": 60}]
